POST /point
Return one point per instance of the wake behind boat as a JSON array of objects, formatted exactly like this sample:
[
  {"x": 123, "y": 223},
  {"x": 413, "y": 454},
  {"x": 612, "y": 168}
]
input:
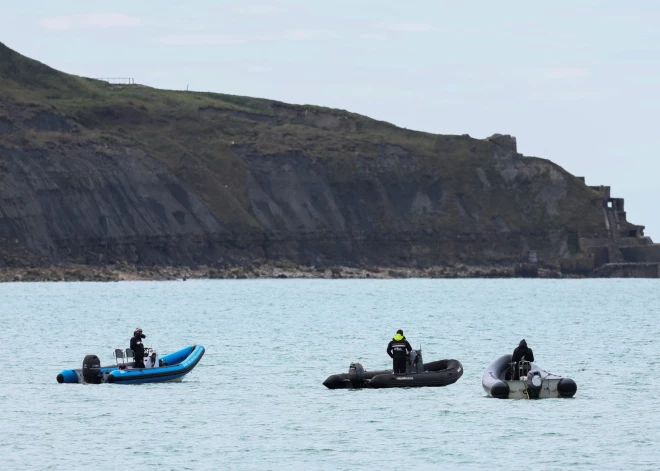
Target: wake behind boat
[
  {"x": 172, "y": 367},
  {"x": 505, "y": 379},
  {"x": 418, "y": 374}
]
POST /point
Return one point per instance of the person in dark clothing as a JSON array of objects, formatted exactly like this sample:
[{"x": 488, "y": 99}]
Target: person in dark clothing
[
  {"x": 138, "y": 347},
  {"x": 522, "y": 352},
  {"x": 398, "y": 349}
]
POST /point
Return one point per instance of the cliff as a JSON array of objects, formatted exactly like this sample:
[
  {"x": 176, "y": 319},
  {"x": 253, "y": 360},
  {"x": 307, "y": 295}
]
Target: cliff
[{"x": 100, "y": 174}]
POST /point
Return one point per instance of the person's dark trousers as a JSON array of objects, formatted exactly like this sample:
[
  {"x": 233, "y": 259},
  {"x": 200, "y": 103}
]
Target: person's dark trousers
[
  {"x": 139, "y": 362},
  {"x": 139, "y": 356},
  {"x": 399, "y": 365}
]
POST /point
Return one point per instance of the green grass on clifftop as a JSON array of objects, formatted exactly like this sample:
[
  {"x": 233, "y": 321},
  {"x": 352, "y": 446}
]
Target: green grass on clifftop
[{"x": 196, "y": 135}]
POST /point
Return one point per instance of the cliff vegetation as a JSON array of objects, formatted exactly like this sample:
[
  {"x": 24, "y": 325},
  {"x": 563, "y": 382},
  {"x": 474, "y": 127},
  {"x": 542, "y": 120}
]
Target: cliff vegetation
[{"x": 95, "y": 174}]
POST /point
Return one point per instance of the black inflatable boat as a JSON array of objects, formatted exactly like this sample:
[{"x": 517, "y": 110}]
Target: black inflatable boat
[{"x": 418, "y": 374}]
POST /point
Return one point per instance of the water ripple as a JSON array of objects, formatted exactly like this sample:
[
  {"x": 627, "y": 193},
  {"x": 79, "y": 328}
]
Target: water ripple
[{"x": 256, "y": 399}]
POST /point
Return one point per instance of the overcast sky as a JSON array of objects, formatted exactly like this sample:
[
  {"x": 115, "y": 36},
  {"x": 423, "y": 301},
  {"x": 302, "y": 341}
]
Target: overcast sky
[{"x": 577, "y": 82}]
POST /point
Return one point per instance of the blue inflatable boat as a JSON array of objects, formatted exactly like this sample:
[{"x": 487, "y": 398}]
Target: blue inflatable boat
[{"x": 172, "y": 367}]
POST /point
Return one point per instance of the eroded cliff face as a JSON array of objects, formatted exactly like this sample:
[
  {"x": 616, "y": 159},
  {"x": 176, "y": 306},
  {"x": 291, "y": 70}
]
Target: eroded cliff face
[
  {"x": 397, "y": 208},
  {"x": 96, "y": 174},
  {"x": 99, "y": 205},
  {"x": 65, "y": 199}
]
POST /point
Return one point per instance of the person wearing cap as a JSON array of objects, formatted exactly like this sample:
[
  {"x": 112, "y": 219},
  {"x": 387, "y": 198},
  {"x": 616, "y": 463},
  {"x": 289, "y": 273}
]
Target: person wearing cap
[
  {"x": 398, "y": 349},
  {"x": 138, "y": 347}
]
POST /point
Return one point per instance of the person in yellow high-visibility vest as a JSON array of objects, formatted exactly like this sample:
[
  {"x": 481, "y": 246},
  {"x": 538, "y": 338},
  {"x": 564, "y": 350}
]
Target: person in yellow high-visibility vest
[{"x": 399, "y": 349}]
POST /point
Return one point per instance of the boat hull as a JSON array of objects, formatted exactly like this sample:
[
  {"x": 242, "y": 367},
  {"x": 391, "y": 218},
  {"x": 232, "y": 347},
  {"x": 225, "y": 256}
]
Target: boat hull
[
  {"x": 552, "y": 386},
  {"x": 175, "y": 367},
  {"x": 435, "y": 374}
]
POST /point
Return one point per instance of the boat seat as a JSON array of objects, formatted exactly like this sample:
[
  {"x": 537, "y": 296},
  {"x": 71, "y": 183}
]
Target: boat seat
[
  {"x": 119, "y": 355},
  {"x": 130, "y": 356}
]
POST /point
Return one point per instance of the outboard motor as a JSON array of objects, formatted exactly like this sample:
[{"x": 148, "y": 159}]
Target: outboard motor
[
  {"x": 533, "y": 384},
  {"x": 91, "y": 370},
  {"x": 415, "y": 362},
  {"x": 356, "y": 375}
]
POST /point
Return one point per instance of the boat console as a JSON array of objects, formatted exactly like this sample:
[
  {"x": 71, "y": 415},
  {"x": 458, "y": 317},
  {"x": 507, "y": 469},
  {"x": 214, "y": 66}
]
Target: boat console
[{"x": 124, "y": 358}]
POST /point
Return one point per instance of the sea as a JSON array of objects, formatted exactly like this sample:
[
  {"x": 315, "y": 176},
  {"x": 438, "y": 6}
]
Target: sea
[{"x": 256, "y": 400}]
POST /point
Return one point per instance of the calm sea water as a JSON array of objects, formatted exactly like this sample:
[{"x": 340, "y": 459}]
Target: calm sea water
[{"x": 256, "y": 400}]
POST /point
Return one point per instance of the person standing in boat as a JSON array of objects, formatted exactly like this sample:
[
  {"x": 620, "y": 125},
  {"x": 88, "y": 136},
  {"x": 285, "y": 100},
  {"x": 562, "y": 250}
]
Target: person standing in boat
[
  {"x": 138, "y": 347},
  {"x": 521, "y": 352},
  {"x": 398, "y": 349}
]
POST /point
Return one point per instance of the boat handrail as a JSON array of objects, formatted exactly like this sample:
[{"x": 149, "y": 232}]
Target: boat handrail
[{"x": 523, "y": 368}]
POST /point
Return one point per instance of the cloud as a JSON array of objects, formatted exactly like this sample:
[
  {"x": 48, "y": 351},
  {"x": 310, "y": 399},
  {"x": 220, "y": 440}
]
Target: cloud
[
  {"x": 565, "y": 73},
  {"x": 256, "y": 10},
  {"x": 411, "y": 27},
  {"x": 619, "y": 14},
  {"x": 219, "y": 39},
  {"x": 374, "y": 36},
  {"x": 260, "y": 69},
  {"x": 200, "y": 39},
  {"x": 89, "y": 21},
  {"x": 311, "y": 35}
]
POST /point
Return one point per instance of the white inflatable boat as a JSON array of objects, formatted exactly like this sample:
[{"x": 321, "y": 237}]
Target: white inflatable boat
[{"x": 523, "y": 380}]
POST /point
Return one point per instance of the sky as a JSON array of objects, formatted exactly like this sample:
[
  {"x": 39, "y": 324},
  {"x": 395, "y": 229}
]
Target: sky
[{"x": 577, "y": 82}]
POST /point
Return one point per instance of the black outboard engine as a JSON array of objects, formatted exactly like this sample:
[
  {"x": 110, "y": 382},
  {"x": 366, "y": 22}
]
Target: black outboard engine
[
  {"x": 356, "y": 375},
  {"x": 533, "y": 384},
  {"x": 91, "y": 370}
]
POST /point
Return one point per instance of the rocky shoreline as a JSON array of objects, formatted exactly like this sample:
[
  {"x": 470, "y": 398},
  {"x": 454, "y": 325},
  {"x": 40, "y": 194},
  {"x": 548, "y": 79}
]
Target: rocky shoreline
[{"x": 127, "y": 272}]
